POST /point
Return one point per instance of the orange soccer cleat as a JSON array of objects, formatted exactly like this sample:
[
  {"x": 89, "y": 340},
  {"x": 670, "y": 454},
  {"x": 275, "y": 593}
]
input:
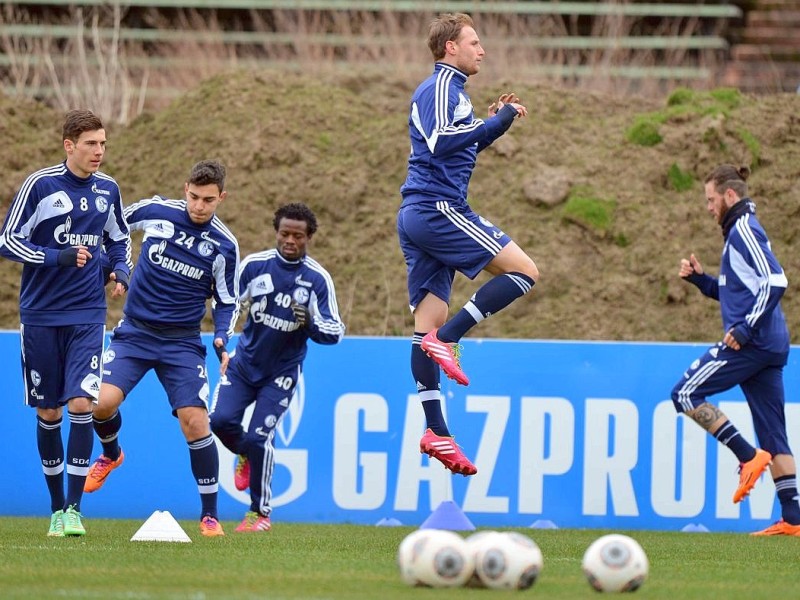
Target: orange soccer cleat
[
  {"x": 780, "y": 528},
  {"x": 100, "y": 470},
  {"x": 210, "y": 526},
  {"x": 749, "y": 473}
]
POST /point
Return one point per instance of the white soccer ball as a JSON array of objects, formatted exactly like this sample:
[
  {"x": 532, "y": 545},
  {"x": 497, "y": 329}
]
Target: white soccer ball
[
  {"x": 506, "y": 560},
  {"x": 615, "y": 563},
  {"x": 407, "y": 554},
  {"x": 474, "y": 544},
  {"x": 434, "y": 558}
]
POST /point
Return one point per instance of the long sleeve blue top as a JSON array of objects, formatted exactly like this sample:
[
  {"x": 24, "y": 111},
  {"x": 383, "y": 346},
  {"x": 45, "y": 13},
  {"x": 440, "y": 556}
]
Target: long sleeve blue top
[
  {"x": 181, "y": 265},
  {"x": 751, "y": 283},
  {"x": 446, "y": 138},
  {"x": 53, "y": 211},
  {"x": 271, "y": 340}
]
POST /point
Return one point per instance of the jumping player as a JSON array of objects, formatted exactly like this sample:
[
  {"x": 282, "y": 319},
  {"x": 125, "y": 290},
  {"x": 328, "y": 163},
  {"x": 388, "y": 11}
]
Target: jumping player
[{"x": 440, "y": 234}]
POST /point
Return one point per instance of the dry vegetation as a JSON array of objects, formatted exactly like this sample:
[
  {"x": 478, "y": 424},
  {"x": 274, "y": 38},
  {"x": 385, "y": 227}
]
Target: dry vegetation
[
  {"x": 340, "y": 143},
  {"x": 89, "y": 56}
]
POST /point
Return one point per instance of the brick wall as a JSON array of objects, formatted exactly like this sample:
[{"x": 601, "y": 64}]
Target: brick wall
[{"x": 765, "y": 56}]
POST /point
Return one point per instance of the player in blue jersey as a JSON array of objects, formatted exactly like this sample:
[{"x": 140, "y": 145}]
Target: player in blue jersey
[
  {"x": 753, "y": 350},
  {"x": 440, "y": 234},
  {"x": 291, "y": 300},
  {"x": 188, "y": 255},
  {"x": 59, "y": 221}
]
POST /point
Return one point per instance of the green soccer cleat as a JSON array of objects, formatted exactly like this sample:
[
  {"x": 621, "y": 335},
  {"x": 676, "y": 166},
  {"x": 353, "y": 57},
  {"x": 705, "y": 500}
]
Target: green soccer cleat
[
  {"x": 56, "y": 524},
  {"x": 72, "y": 522}
]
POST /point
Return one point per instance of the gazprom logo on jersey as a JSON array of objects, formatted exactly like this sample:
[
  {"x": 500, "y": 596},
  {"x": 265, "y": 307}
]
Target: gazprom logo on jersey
[
  {"x": 62, "y": 235},
  {"x": 97, "y": 190},
  {"x": 156, "y": 255}
]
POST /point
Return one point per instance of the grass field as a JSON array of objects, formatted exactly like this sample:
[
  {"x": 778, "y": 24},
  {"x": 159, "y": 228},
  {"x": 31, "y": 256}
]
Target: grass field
[{"x": 357, "y": 562}]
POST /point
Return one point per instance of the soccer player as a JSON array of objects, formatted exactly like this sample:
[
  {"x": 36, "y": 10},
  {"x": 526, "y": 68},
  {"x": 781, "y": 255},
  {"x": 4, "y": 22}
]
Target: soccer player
[
  {"x": 440, "y": 234},
  {"x": 291, "y": 300},
  {"x": 59, "y": 221},
  {"x": 753, "y": 350},
  {"x": 187, "y": 256}
]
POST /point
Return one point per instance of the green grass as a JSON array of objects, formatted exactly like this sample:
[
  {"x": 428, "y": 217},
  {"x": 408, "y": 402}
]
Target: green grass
[
  {"x": 752, "y": 144},
  {"x": 644, "y": 131},
  {"x": 357, "y": 562},
  {"x": 683, "y": 104},
  {"x": 680, "y": 180},
  {"x": 585, "y": 209}
]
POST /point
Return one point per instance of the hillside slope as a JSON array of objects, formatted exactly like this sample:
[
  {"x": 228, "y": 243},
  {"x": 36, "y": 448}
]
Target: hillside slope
[{"x": 599, "y": 213}]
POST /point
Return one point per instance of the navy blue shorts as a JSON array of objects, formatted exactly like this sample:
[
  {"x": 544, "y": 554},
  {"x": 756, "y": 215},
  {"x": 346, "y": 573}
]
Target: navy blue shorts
[
  {"x": 60, "y": 363},
  {"x": 758, "y": 373},
  {"x": 234, "y": 393},
  {"x": 438, "y": 239},
  {"x": 180, "y": 364}
]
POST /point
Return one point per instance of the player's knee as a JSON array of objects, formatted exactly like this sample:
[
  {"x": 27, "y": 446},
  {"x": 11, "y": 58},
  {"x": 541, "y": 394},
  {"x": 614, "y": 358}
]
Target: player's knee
[
  {"x": 49, "y": 414},
  {"x": 80, "y": 405},
  {"x": 219, "y": 423},
  {"x": 532, "y": 271},
  {"x": 194, "y": 422},
  {"x": 110, "y": 399},
  {"x": 525, "y": 267}
]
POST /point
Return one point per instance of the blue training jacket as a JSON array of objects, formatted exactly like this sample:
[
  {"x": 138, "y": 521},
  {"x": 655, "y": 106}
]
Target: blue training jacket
[
  {"x": 271, "y": 340},
  {"x": 180, "y": 266},
  {"x": 751, "y": 283},
  {"x": 446, "y": 138},
  {"x": 52, "y": 211}
]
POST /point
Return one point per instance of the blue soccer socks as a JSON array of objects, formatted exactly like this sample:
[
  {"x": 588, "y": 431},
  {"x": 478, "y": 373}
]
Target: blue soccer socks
[
  {"x": 427, "y": 378},
  {"x": 79, "y": 455},
  {"x": 492, "y": 297},
  {"x": 51, "y": 451},
  {"x": 205, "y": 468},
  {"x": 728, "y": 435},
  {"x": 108, "y": 432}
]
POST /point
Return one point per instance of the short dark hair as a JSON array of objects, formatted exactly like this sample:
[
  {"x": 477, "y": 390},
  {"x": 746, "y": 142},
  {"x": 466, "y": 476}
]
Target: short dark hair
[
  {"x": 78, "y": 121},
  {"x": 296, "y": 211},
  {"x": 446, "y": 28},
  {"x": 727, "y": 177},
  {"x": 206, "y": 172}
]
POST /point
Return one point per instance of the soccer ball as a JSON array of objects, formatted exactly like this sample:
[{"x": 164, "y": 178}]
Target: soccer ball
[
  {"x": 506, "y": 560},
  {"x": 474, "y": 544},
  {"x": 407, "y": 555},
  {"x": 615, "y": 563},
  {"x": 434, "y": 558}
]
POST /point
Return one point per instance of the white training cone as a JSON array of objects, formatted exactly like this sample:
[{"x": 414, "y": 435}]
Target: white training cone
[{"x": 161, "y": 526}]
